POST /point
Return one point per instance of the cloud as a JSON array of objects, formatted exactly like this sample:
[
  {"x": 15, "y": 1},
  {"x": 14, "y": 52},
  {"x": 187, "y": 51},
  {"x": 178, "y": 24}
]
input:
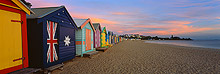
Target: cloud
[
  {"x": 110, "y": 25},
  {"x": 119, "y": 28},
  {"x": 42, "y": 3},
  {"x": 150, "y": 26},
  {"x": 160, "y": 18},
  {"x": 195, "y": 13},
  {"x": 120, "y": 31},
  {"x": 94, "y": 18},
  {"x": 217, "y": 17},
  {"x": 191, "y": 3},
  {"x": 103, "y": 21},
  {"x": 119, "y": 13},
  {"x": 172, "y": 28}
]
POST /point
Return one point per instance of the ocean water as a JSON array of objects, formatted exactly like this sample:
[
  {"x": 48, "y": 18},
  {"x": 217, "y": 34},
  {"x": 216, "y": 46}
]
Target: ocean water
[{"x": 191, "y": 43}]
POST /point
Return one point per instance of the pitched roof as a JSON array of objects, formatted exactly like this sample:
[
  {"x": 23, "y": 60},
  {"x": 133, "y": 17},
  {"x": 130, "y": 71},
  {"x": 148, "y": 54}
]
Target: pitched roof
[
  {"x": 80, "y": 22},
  {"x": 41, "y": 12},
  {"x": 22, "y": 6},
  {"x": 104, "y": 30},
  {"x": 96, "y": 26}
]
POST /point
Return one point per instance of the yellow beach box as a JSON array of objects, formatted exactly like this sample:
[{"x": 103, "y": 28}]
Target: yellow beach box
[
  {"x": 13, "y": 39},
  {"x": 103, "y": 38}
]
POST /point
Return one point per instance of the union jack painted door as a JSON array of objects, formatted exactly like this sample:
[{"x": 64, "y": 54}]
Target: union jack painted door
[{"x": 52, "y": 44}]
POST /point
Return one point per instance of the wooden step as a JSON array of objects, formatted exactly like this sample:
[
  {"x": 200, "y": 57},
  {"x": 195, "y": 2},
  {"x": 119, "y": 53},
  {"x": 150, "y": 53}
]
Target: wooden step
[
  {"x": 26, "y": 71},
  {"x": 101, "y": 49},
  {"x": 90, "y": 53},
  {"x": 54, "y": 67}
]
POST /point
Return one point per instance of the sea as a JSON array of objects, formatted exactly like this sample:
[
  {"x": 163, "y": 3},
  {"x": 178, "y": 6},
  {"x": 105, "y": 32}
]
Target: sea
[{"x": 190, "y": 43}]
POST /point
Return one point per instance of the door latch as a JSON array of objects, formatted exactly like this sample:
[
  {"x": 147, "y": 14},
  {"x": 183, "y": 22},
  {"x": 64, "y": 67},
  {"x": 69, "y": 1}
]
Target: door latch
[
  {"x": 17, "y": 21},
  {"x": 18, "y": 59}
]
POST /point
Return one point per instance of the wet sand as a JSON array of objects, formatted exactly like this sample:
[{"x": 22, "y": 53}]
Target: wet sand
[{"x": 137, "y": 57}]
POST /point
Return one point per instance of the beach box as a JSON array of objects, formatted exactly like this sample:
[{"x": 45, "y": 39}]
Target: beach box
[
  {"x": 110, "y": 37},
  {"x": 84, "y": 36},
  {"x": 51, "y": 37},
  {"x": 96, "y": 35},
  {"x": 104, "y": 38},
  {"x": 13, "y": 43}
]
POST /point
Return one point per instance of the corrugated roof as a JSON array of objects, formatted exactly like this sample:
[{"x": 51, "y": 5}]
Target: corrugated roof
[
  {"x": 95, "y": 25},
  {"x": 41, "y": 12},
  {"x": 79, "y": 22}
]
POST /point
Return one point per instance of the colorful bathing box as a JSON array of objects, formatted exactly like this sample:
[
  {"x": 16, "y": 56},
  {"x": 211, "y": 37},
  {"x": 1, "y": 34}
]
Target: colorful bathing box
[
  {"x": 103, "y": 38},
  {"x": 84, "y": 36},
  {"x": 13, "y": 30},
  {"x": 51, "y": 36},
  {"x": 110, "y": 35},
  {"x": 97, "y": 34}
]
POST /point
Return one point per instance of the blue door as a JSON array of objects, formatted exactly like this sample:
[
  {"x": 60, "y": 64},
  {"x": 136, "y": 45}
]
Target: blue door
[{"x": 67, "y": 49}]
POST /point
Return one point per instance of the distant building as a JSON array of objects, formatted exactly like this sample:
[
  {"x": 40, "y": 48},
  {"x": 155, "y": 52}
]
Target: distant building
[{"x": 133, "y": 36}]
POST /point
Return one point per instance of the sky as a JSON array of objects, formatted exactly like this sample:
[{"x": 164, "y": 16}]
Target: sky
[{"x": 197, "y": 19}]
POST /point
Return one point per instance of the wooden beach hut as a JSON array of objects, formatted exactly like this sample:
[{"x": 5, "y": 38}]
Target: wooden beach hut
[
  {"x": 110, "y": 37},
  {"x": 51, "y": 37},
  {"x": 96, "y": 35},
  {"x": 118, "y": 40},
  {"x": 13, "y": 30},
  {"x": 107, "y": 38},
  {"x": 84, "y": 36},
  {"x": 122, "y": 39},
  {"x": 103, "y": 38},
  {"x": 113, "y": 39}
]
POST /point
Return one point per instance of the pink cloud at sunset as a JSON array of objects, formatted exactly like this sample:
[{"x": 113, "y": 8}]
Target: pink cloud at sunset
[
  {"x": 103, "y": 21},
  {"x": 119, "y": 13},
  {"x": 181, "y": 27},
  {"x": 147, "y": 17},
  {"x": 110, "y": 25},
  {"x": 150, "y": 26},
  {"x": 174, "y": 27},
  {"x": 217, "y": 17},
  {"x": 93, "y": 18},
  {"x": 120, "y": 31},
  {"x": 117, "y": 28},
  {"x": 42, "y": 3}
]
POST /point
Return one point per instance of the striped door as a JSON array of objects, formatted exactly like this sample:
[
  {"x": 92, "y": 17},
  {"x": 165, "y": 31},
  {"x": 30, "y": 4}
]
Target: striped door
[
  {"x": 11, "y": 40},
  {"x": 88, "y": 39}
]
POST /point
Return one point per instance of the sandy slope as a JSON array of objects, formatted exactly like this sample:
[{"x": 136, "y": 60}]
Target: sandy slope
[{"x": 137, "y": 57}]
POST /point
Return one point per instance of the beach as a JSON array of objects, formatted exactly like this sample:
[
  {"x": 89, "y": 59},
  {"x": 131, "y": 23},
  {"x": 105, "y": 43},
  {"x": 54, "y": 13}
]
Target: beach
[{"x": 138, "y": 57}]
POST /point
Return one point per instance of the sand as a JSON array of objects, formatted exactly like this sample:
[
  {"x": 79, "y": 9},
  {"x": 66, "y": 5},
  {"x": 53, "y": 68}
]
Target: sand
[{"x": 137, "y": 57}]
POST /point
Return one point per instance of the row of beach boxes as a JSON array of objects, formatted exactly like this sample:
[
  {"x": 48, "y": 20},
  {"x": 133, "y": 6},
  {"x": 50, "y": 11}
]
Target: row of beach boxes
[{"x": 44, "y": 37}]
